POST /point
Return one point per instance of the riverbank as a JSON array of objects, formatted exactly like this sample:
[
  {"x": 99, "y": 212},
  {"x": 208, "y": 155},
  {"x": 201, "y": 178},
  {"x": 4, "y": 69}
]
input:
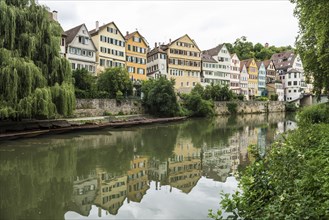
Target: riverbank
[{"x": 27, "y": 129}]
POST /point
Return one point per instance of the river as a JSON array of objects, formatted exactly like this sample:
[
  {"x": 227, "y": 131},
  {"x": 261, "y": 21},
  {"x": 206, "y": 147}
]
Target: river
[{"x": 161, "y": 171}]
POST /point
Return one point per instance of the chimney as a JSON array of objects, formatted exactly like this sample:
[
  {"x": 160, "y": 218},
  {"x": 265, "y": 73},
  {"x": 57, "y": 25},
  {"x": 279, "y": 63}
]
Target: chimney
[
  {"x": 127, "y": 32},
  {"x": 55, "y": 15},
  {"x": 155, "y": 45},
  {"x": 266, "y": 45},
  {"x": 97, "y": 25},
  {"x": 170, "y": 40}
]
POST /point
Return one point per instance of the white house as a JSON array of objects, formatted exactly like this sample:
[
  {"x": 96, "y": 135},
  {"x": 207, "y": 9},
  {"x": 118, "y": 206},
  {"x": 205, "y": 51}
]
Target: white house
[
  {"x": 235, "y": 74},
  {"x": 223, "y": 58},
  {"x": 244, "y": 80},
  {"x": 156, "y": 65},
  {"x": 80, "y": 49},
  {"x": 209, "y": 68}
]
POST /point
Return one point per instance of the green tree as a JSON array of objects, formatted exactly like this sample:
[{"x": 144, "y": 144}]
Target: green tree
[
  {"x": 115, "y": 81},
  {"x": 160, "y": 98},
  {"x": 85, "y": 84},
  {"x": 313, "y": 42},
  {"x": 291, "y": 181},
  {"x": 33, "y": 76},
  {"x": 218, "y": 93},
  {"x": 243, "y": 48}
]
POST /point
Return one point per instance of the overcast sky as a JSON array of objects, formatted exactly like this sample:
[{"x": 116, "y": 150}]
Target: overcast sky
[{"x": 209, "y": 23}]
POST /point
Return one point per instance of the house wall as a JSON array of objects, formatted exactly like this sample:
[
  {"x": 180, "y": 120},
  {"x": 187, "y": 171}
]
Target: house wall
[
  {"x": 224, "y": 66},
  {"x": 159, "y": 62},
  {"x": 130, "y": 43},
  {"x": 86, "y": 61},
  {"x": 235, "y": 74},
  {"x": 109, "y": 57},
  {"x": 244, "y": 82},
  {"x": 253, "y": 79},
  {"x": 261, "y": 79},
  {"x": 188, "y": 76}
]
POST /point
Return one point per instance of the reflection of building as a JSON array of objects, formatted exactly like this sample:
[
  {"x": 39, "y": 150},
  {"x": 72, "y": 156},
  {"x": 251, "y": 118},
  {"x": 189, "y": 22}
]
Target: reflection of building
[
  {"x": 84, "y": 193},
  {"x": 261, "y": 141},
  {"x": 158, "y": 171},
  {"x": 112, "y": 191},
  {"x": 184, "y": 167},
  {"x": 137, "y": 179}
]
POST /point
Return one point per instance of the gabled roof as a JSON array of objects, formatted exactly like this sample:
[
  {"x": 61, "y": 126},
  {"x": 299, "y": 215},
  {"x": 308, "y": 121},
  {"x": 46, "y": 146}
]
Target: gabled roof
[
  {"x": 281, "y": 61},
  {"x": 207, "y": 58},
  {"x": 241, "y": 65},
  {"x": 128, "y": 36},
  {"x": 94, "y": 32},
  {"x": 214, "y": 51},
  {"x": 259, "y": 63},
  {"x": 72, "y": 33},
  {"x": 247, "y": 62},
  {"x": 186, "y": 35},
  {"x": 158, "y": 49},
  {"x": 293, "y": 71}
]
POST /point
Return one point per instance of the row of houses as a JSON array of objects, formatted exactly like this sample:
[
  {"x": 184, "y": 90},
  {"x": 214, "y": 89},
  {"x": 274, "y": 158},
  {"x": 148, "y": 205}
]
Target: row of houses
[{"x": 182, "y": 59}]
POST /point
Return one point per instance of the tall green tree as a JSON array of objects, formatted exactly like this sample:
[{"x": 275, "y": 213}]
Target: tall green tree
[
  {"x": 115, "y": 81},
  {"x": 35, "y": 82},
  {"x": 313, "y": 41},
  {"x": 160, "y": 97}
]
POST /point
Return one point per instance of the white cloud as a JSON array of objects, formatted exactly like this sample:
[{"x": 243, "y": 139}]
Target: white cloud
[{"x": 207, "y": 22}]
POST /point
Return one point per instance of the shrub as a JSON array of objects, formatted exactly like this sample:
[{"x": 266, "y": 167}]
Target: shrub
[
  {"x": 314, "y": 114},
  {"x": 274, "y": 97},
  {"x": 261, "y": 98},
  {"x": 232, "y": 107},
  {"x": 291, "y": 181},
  {"x": 198, "y": 106},
  {"x": 290, "y": 107}
]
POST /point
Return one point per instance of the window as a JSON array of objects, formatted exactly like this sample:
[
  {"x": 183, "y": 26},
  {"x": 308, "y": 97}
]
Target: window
[
  {"x": 102, "y": 62},
  {"x": 137, "y": 39},
  {"x": 84, "y": 40},
  {"x": 63, "y": 42},
  {"x": 295, "y": 83},
  {"x": 129, "y": 47},
  {"x": 140, "y": 71},
  {"x": 73, "y": 66}
]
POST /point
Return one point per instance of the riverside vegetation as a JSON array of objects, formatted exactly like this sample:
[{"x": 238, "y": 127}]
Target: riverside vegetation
[
  {"x": 292, "y": 180},
  {"x": 35, "y": 82}
]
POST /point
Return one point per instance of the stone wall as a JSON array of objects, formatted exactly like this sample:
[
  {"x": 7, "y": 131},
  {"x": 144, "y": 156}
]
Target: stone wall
[
  {"x": 100, "y": 107},
  {"x": 249, "y": 107}
]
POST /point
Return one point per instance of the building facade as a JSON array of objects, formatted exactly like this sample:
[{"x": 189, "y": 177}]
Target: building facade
[
  {"x": 210, "y": 69},
  {"x": 235, "y": 74},
  {"x": 80, "y": 49},
  {"x": 157, "y": 62},
  {"x": 244, "y": 80},
  {"x": 261, "y": 79},
  {"x": 223, "y": 58},
  {"x": 110, "y": 44},
  {"x": 253, "y": 77},
  {"x": 184, "y": 63},
  {"x": 270, "y": 71},
  {"x": 136, "y": 55}
]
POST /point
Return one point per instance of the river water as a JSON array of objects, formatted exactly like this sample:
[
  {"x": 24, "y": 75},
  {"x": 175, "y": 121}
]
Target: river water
[{"x": 162, "y": 171}]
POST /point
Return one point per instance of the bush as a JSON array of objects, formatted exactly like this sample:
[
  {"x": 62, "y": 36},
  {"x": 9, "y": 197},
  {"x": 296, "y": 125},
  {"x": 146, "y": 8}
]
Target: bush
[
  {"x": 261, "y": 98},
  {"x": 290, "y": 107},
  {"x": 274, "y": 97},
  {"x": 232, "y": 107},
  {"x": 314, "y": 114},
  {"x": 291, "y": 181},
  {"x": 160, "y": 98},
  {"x": 197, "y": 106}
]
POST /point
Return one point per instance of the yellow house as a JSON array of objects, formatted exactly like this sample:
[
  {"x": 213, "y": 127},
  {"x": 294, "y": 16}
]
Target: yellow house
[
  {"x": 136, "y": 54},
  {"x": 184, "y": 63},
  {"x": 253, "y": 77},
  {"x": 137, "y": 179},
  {"x": 110, "y": 44}
]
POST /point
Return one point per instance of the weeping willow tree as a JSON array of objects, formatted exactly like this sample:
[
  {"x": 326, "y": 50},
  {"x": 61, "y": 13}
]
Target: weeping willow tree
[{"x": 35, "y": 82}]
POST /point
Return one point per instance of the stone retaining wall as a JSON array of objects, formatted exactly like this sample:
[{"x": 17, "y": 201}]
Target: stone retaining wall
[
  {"x": 250, "y": 107},
  {"x": 100, "y": 107}
]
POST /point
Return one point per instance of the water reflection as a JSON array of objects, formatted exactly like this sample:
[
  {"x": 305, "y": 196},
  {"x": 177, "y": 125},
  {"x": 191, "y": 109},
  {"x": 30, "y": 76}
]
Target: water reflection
[{"x": 99, "y": 173}]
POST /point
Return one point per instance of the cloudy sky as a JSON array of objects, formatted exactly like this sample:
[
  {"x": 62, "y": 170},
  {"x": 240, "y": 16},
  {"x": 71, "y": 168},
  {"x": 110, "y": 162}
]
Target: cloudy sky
[{"x": 207, "y": 22}]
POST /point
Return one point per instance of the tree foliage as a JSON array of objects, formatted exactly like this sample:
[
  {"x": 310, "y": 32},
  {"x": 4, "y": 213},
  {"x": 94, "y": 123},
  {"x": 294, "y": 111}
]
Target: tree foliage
[
  {"x": 292, "y": 180},
  {"x": 218, "y": 93},
  {"x": 31, "y": 68},
  {"x": 115, "y": 81},
  {"x": 160, "y": 98},
  {"x": 246, "y": 49},
  {"x": 313, "y": 42}
]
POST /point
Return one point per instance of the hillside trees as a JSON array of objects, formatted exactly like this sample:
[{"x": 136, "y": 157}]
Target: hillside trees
[{"x": 35, "y": 82}]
